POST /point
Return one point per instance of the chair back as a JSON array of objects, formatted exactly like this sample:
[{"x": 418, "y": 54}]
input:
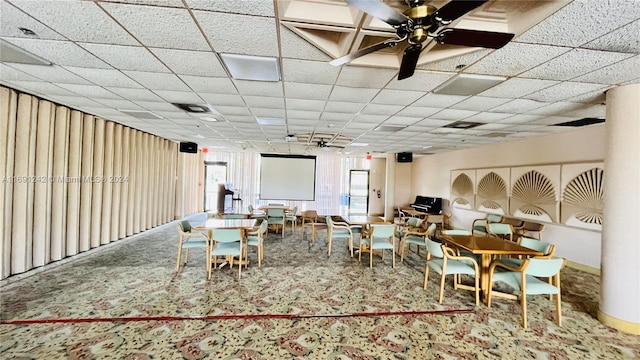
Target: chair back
[
  {"x": 383, "y": 230},
  {"x": 329, "y": 222},
  {"x": 275, "y": 213},
  {"x": 493, "y": 218},
  {"x": 263, "y": 227},
  {"x": 185, "y": 226},
  {"x": 414, "y": 221},
  {"x": 535, "y": 244},
  {"x": 500, "y": 229},
  {"x": 544, "y": 267},
  {"x": 275, "y": 204},
  {"x": 250, "y": 207},
  {"x": 233, "y": 216},
  {"x": 455, "y": 232},
  {"x": 226, "y": 235},
  {"x": 294, "y": 211},
  {"x": 197, "y": 219},
  {"x": 434, "y": 248},
  {"x": 431, "y": 230}
]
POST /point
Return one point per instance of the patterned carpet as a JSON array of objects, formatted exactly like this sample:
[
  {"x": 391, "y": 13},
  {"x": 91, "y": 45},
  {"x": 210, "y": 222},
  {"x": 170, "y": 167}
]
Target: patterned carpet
[{"x": 135, "y": 279}]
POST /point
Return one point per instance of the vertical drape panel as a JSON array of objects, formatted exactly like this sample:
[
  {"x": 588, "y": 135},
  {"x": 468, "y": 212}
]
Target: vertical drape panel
[
  {"x": 44, "y": 184},
  {"x": 59, "y": 188},
  {"x": 107, "y": 184},
  {"x": 73, "y": 183},
  {"x": 117, "y": 183},
  {"x": 9, "y": 108},
  {"x": 124, "y": 189},
  {"x": 86, "y": 187},
  {"x": 21, "y": 236},
  {"x": 96, "y": 191}
]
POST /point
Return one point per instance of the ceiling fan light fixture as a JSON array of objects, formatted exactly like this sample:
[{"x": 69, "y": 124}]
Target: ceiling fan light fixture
[{"x": 468, "y": 84}]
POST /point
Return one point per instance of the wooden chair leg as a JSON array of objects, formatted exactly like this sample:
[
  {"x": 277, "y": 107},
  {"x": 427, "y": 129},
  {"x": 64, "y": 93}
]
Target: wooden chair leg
[
  {"x": 179, "y": 257},
  {"x": 442, "y": 281},
  {"x": 426, "y": 276}
]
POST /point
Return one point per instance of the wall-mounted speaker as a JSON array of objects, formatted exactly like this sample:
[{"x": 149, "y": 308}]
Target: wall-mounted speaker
[
  {"x": 189, "y": 147},
  {"x": 404, "y": 157}
]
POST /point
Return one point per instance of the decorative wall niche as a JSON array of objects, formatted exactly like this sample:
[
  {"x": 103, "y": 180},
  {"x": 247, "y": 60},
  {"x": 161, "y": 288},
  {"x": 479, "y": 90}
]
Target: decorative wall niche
[
  {"x": 582, "y": 202},
  {"x": 462, "y": 186},
  {"x": 534, "y": 193},
  {"x": 491, "y": 192}
]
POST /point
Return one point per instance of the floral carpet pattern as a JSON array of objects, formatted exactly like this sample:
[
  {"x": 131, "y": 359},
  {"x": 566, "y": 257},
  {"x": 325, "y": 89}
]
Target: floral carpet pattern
[{"x": 126, "y": 301}]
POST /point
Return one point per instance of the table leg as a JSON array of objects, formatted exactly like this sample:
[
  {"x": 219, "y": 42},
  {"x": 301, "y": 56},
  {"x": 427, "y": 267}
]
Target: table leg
[{"x": 485, "y": 262}]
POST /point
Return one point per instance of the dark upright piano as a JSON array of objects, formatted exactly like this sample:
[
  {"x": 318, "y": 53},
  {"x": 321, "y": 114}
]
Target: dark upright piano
[{"x": 427, "y": 204}]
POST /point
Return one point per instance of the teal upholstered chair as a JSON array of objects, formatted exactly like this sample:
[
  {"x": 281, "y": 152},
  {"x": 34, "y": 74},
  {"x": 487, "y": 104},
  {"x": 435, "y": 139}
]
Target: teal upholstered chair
[
  {"x": 190, "y": 237},
  {"x": 416, "y": 237},
  {"x": 234, "y": 216},
  {"x": 503, "y": 231},
  {"x": 276, "y": 217},
  {"x": 227, "y": 243},
  {"x": 525, "y": 280},
  {"x": 381, "y": 237},
  {"x": 256, "y": 214},
  {"x": 256, "y": 238},
  {"x": 445, "y": 261},
  {"x": 338, "y": 230},
  {"x": 292, "y": 217},
  {"x": 545, "y": 248},
  {"x": 455, "y": 232},
  {"x": 480, "y": 225}
]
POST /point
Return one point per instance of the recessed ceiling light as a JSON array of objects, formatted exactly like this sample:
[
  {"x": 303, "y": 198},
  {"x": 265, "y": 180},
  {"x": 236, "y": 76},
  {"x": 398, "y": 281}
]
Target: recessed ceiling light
[
  {"x": 463, "y": 125},
  {"x": 27, "y": 32},
  {"x": 358, "y": 144},
  {"x": 389, "y": 128},
  {"x": 196, "y": 108},
  {"x": 208, "y": 118},
  {"x": 468, "y": 84},
  {"x": 199, "y": 136},
  {"x": 427, "y": 147},
  {"x": 244, "y": 67},
  {"x": 270, "y": 121}
]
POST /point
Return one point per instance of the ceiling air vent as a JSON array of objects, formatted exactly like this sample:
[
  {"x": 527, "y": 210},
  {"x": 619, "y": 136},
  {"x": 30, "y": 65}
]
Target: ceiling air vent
[
  {"x": 463, "y": 125},
  {"x": 141, "y": 114},
  {"x": 496, "y": 134},
  {"x": 196, "y": 108},
  {"x": 581, "y": 122}
]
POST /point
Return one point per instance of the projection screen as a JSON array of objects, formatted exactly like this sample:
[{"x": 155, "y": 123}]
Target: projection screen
[{"x": 287, "y": 177}]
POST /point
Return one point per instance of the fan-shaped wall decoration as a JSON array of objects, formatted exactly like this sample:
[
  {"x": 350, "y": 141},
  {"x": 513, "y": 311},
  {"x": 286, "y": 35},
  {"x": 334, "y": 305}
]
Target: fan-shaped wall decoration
[
  {"x": 583, "y": 198},
  {"x": 492, "y": 193},
  {"x": 462, "y": 190},
  {"x": 533, "y": 194}
]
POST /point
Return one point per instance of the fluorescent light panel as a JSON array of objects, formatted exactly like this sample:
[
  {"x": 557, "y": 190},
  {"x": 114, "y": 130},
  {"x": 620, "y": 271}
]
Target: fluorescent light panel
[
  {"x": 468, "y": 84},
  {"x": 244, "y": 67},
  {"x": 270, "y": 121}
]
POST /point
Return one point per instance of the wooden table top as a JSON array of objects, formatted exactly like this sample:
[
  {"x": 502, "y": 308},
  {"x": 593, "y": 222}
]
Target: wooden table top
[
  {"x": 229, "y": 223},
  {"x": 364, "y": 220},
  {"x": 488, "y": 245}
]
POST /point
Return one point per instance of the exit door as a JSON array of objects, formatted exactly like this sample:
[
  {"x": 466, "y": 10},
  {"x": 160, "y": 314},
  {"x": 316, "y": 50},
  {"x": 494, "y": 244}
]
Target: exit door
[{"x": 359, "y": 192}]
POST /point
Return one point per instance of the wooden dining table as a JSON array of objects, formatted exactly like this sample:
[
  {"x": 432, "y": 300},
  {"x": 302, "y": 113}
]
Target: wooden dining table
[
  {"x": 487, "y": 247},
  {"x": 365, "y": 221},
  {"x": 242, "y": 224}
]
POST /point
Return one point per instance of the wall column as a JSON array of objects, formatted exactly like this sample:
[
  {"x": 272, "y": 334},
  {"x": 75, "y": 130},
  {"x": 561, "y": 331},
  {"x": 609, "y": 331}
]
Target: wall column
[{"x": 620, "y": 289}]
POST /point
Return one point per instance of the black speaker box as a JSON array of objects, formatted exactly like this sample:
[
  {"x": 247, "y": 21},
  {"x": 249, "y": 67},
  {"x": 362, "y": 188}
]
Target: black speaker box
[
  {"x": 189, "y": 147},
  {"x": 404, "y": 157}
]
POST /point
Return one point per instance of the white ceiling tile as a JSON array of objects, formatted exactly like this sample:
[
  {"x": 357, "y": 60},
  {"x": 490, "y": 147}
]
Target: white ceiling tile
[
  {"x": 8, "y": 73},
  {"x": 381, "y": 109},
  {"x": 552, "y": 120},
  {"x": 134, "y": 94},
  {"x": 479, "y": 103},
  {"x": 158, "y": 81},
  {"x": 558, "y": 108},
  {"x": 365, "y": 77},
  {"x": 54, "y": 74},
  {"x": 223, "y": 99},
  {"x": 233, "y": 110},
  {"x": 120, "y": 104},
  {"x": 402, "y": 120},
  {"x": 264, "y": 112},
  {"x": 307, "y": 91},
  {"x": 294, "y": 46},
  {"x": 439, "y": 101},
  {"x": 420, "y": 81},
  {"x": 242, "y": 120},
  {"x": 353, "y": 95},
  {"x": 156, "y": 105},
  {"x": 518, "y": 106},
  {"x": 487, "y": 117},
  {"x": 520, "y": 119},
  {"x": 96, "y": 26},
  {"x": 595, "y": 97},
  {"x": 368, "y": 118},
  {"x": 168, "y": 3},
  {"x": 433, "y": 123},
  {"x": 515, "y": 58},
  {"x": 453, "y": 114},
  {"x": 104, "y": 77},
  {"x": 60, "y": 52},
  {"x": 396, "y": 97},
  {"x": 343, "y": 107},
  {"x": 216, "y": 27},
  {"x": 217, "y": 85},
  {"x": 613, "y": 74},
  {"x": 450, "y": 64},
  {"x": 91, "y": 91},
  {"x": 264, "y": 102},
  {"x": 11, "y": 19},
  {"x": 161, "y": 32},
  {"x": 254, "y": 7},
  {"x": 304, "y": 71},
  {"x": 309, "y": 105},
  {"x": 303, "y": 115},
  {"x": 335, "y": 116},
  {"x": 40, "y": 88},
  {"x": 76, "y": 101},
  {"x": 517, "y": 87},
  {"x": 597, "y": 110},
  {"x": 492, "y": 126},
  {"x": 127, "y": 57},
  {"x": 582, "y": 21},
  {"x": 563, "y": 91},
  {"x": 260, "y": 88},
  {"x": 185, "y": 62},
  {"x": 624, "y": 39},
  {"x": 418, "y": 111},
  {"x": 574, "y": 63},
  {"x": 185, "y": 97}
]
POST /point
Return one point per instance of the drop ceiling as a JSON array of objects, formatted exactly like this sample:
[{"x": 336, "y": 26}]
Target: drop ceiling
[{"x": 119, "y": 59}]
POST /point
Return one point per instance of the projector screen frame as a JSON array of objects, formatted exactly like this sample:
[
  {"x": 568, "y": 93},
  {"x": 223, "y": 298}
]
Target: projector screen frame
[{"x": 290, "y": 182}]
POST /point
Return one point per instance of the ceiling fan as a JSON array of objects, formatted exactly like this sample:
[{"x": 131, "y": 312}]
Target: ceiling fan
[
  {"x": 325, "y": 145},
  {"x": 421, "y": 22}
]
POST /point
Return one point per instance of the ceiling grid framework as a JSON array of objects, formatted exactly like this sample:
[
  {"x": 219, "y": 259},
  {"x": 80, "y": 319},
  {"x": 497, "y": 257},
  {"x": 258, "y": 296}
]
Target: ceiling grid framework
[{"x": 109, "y": 59}]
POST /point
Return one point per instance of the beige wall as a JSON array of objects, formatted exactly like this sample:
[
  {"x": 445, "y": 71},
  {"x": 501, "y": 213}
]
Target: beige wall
[
  {"x": 431, "y": 177},
  {"x": 70, "y": 182}
]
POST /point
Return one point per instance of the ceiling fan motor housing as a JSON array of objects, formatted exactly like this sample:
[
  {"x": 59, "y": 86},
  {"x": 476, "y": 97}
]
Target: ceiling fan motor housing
[{"x": 421, "y": 19}]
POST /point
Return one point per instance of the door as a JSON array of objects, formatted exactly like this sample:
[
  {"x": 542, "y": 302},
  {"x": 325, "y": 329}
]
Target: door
[
  {"x": 358, "y": 192},
  {"x": 215, "y": 173}
]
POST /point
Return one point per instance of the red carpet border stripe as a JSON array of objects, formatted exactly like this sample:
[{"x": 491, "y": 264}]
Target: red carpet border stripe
[{"x": 233, "y": 317}]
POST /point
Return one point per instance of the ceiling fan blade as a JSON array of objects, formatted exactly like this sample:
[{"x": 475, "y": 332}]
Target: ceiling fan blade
[
  {"x": 380, "y": 11},
  {"x": 475, "y": 38},
  {"x": 409, "y": 61},
  {"x": 362, "y": 52},
  {"x": 456, "y": 8}
]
